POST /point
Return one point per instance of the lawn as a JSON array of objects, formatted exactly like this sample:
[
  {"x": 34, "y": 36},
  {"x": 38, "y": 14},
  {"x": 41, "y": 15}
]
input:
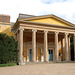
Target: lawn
[{"x": 8, "y": 64}]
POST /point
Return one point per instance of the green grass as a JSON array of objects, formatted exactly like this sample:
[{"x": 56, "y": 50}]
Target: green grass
[{"x": 8, "y": 64}]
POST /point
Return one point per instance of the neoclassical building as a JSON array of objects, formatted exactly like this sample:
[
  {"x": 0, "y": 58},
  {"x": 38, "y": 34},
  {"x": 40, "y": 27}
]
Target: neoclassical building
[{"x": 43, "y": 38}]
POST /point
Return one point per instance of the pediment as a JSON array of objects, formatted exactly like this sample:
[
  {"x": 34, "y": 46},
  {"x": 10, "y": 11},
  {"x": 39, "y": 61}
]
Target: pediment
[{"x": 49, "y": 19}]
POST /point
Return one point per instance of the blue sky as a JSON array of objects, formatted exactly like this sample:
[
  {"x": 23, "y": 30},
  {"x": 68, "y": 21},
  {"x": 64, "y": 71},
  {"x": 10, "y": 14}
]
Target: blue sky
[{"x": 62, "y": 8}]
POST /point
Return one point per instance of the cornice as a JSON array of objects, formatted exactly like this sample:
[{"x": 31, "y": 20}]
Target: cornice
[{"x": 45, "y": 24}]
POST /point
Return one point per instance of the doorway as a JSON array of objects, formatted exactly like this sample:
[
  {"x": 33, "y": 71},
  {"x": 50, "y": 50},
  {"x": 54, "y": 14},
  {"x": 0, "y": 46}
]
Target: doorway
[
  {"x": 50, "y": 52},
  {"x": 72, "y": 54},
  {"x": 30, "y": 55}
]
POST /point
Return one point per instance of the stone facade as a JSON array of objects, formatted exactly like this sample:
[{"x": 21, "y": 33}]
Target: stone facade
[{"x": 43, "y": 42}]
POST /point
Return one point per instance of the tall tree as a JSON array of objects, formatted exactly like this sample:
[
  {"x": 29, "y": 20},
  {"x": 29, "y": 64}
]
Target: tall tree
[
  {"x": 72, "y": 48},
  {"x": 8, "y": 49}
]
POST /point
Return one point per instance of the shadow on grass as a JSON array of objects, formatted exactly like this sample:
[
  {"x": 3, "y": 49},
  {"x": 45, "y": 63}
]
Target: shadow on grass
[{"x": 8, "y": 64}]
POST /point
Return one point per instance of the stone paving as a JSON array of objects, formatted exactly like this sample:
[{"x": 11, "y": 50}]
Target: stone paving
[{"x": 40, "y": 69}]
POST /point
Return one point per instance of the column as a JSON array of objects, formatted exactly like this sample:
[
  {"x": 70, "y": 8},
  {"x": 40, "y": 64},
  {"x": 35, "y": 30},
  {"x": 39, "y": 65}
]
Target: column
[
  {"x": 27, "y": 54},
  {"x": 45, "y": 46},
  {"x": 34, "y": 45},
  {"x": 69, "y": 47},
  {"x": 63, "y": 42},
  {"x": 21, "y": 46},
  {"x": 74, "y": 47},
  {"x": 15, "y": 36},
  {"x": 66, "y": 46},
  {"x": 56, "y": 46}
]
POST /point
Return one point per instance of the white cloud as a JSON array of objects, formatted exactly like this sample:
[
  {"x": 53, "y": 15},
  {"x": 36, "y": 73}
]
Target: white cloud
[
  {"x": 61, "y": 8},
  {"x": 52, "y": 1}
]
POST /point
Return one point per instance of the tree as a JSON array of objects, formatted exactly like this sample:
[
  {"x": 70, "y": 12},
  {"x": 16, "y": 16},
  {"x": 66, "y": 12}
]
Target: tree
[
  {"x": 8, "y": 49},
  {"x": 72, "y": 47}
]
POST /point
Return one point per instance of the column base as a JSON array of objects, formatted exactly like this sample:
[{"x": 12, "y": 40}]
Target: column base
[
  {"x": 67, "y": 61},
  {"x": 45, "y": 61},
  {"x": 22, "y": 63},
  {"x": 56, "y": 61}
]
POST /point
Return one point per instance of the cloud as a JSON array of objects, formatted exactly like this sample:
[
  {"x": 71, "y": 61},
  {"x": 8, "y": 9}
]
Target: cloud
[
  {"x": 61, "y": 8},
  {"x": 64, "y": 10},
  {"x": 52, "y": 1}
]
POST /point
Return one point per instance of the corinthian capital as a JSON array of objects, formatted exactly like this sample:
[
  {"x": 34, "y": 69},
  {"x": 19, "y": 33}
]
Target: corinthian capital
[
  {"x": 45, "y": 31},
  {"x": 66, "y": 33},
  {"x": 34, "y": 30},
  {"x": 21, "y": 29},
  {"x": 56, "y": 32}
]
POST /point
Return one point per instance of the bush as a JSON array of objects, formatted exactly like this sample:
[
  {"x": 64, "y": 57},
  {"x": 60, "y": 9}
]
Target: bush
[{"x": 8, "y": 49}]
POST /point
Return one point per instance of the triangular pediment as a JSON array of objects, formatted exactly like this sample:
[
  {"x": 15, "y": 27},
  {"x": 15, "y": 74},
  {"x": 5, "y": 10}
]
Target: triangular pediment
[{"x": 48, "y": 19}]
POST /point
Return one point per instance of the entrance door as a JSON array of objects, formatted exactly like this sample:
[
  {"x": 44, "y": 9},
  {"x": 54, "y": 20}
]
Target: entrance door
[
  {"x": 30, "y": 55},
  {"x": 50, "y": 55}
]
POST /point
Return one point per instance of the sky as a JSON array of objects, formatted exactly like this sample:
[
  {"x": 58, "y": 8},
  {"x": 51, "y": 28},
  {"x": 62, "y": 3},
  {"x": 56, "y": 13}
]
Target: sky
[{"x": 62, "y": 8}]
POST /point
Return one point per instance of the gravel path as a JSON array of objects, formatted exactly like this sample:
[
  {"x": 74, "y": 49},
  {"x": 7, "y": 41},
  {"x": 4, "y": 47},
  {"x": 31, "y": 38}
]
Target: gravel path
[{"x": 40, "y": 69}]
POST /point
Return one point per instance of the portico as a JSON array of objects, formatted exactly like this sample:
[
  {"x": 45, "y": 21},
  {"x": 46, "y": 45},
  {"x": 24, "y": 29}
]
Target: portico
[{"x": 41, "y": 42}]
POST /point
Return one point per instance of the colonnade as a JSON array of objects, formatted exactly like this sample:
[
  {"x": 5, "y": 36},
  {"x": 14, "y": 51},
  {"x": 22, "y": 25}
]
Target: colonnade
[{"x": 45, "y": 46}]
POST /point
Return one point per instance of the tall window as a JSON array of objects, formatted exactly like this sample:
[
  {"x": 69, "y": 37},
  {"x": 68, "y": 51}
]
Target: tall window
[{"x": 12, "y": 29}]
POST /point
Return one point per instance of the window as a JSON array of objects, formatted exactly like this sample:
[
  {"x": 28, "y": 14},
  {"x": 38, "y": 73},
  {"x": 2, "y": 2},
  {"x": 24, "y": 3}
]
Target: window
[{"x": 12, "y": 30}]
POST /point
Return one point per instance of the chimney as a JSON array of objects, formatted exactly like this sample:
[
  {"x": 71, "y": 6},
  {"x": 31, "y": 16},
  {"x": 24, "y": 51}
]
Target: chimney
[{"x": 4, "y": 18}]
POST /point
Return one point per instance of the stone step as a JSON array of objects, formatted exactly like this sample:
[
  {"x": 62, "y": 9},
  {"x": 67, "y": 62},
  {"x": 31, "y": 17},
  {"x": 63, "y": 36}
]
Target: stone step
[
  {"x": 38, "y": 62},
  {"x": 51, "y": 62}
]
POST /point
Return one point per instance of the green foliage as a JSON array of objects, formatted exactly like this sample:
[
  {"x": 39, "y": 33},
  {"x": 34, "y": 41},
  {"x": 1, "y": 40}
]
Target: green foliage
[
  {"x": 8, "y": 49},
  {"x": 72, "y": 43},
  {"x": 8, "y": 64}
]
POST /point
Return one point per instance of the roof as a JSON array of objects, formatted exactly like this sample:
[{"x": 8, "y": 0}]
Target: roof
[
  {"x": 22, "y": 16},
  {"x": 4, "y": 15},
  {"x": 5, "y": 23}
]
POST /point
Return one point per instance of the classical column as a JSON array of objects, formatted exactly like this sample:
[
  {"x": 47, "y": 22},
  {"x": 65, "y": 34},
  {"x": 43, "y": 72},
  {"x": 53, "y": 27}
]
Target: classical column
[
  {"x": 63, "y": 42},
  {"x": 69, "y": 47},
  {"x": 15, "y": 36},
  {"x": 21, "y": 46},
  {"x": 45, "y": 46},
  {"x": 34, "y": 45},
  {"x": 56, "y": 46},
  {"x": 66, "y": 46},
  {"x": 27, "y": 54},
  {"x": 74, "y": 47}
]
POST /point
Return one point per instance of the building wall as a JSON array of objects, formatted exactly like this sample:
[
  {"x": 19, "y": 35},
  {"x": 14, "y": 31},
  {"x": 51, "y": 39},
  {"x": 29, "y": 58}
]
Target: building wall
[
  {"x": 5, "y": 25},
  {"x": 4, "y": 18},
  {"x": 6, "y": 29}
]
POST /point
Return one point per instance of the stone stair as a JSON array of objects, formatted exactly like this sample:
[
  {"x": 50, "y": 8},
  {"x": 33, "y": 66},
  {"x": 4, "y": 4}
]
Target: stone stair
[
  {"x": 51, "y": 62},
  {"x": 38, "y": 62}
]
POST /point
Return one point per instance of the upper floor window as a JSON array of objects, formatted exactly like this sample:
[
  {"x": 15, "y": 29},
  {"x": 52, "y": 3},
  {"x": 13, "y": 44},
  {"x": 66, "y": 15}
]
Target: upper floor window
[{"x": 12, "y": 30}]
